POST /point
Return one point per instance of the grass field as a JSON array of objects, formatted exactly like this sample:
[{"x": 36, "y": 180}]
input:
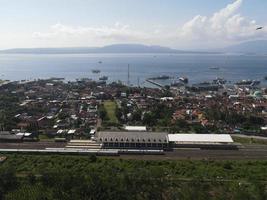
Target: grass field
[
  {"x": 110, "y": 107},
  {"x": 230, "y": 170},
  {"x": 60, "y": 177},
  {"x": 249, "y": 140}
]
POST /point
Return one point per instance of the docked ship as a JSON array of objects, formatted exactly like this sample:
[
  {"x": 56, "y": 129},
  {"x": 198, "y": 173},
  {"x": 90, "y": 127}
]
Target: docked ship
[
  {"x": 248, "y": 83},
  {"x": 96, "y": 71},
  {"x": 103, "y": 78},
  {"x": 219, "y": 81},
  {"x": 183, "y": 79}
]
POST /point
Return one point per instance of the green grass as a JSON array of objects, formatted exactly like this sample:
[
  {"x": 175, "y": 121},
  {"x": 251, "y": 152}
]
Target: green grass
[
  {"x": 88, "y": 177},
  {"x": 36, "y": 164},
  {"x": 243, "y": 140},
  {"x": 44, "y": 137},
  {"x": 110, "y": 107}
]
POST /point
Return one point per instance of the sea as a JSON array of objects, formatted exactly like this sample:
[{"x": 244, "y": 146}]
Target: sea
[{"x": 196, "y": 67}]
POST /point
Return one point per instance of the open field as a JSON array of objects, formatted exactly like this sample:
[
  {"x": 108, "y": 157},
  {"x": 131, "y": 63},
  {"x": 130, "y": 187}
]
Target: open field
[
  {"x": 240, "y": 169},
  {"x": 249, "y": 140},
  {"x": 110, "y": 107},
  {"x": 31, "y": 177}
]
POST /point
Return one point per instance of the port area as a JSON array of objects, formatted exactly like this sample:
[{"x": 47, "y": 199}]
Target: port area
[
  {"x": 155, "y": 83},
  {"x": 243, "y": 152}
]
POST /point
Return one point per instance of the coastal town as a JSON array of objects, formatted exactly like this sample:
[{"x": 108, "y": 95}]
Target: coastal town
[
  {"x": 133, "y": 100},
  {"x": 82, "y": 113}
]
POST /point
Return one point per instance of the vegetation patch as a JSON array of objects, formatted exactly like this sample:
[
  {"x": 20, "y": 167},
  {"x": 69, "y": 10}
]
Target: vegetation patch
[
  {"x": 110, "y": 107},
  {"x": 244, "y": 140},
  {"x": 90, "y": 177}
]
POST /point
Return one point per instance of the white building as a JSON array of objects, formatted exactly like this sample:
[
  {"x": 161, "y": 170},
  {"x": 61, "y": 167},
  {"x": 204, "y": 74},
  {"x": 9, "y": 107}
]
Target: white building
[{"x": 135, "y": 128}]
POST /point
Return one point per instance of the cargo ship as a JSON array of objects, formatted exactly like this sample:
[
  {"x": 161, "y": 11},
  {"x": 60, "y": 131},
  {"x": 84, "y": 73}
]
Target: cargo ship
[{"x": 96, "y": 71}]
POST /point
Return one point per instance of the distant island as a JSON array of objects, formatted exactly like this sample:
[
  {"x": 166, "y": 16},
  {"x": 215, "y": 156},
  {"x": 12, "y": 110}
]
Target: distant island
[
  {"x": 250, "y": 47},
  {"x": 116, "y": 48}
]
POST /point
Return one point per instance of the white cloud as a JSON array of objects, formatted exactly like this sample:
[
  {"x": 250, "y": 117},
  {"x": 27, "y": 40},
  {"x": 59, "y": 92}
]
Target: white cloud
[
  {"x": 77, "y": 35},
  {"x": 224, "y": 26}
]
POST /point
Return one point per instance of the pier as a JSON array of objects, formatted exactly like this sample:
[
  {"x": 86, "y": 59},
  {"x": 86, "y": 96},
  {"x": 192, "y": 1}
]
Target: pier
[{"x": 156, "y": 84}]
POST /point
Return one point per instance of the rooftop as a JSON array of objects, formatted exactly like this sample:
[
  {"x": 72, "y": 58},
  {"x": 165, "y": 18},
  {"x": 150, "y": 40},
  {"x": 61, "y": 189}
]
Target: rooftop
[
  {"x": 135, "y": 128},
  {"x": 200, "y": 138},
  {"x": 133, "y": 137}
]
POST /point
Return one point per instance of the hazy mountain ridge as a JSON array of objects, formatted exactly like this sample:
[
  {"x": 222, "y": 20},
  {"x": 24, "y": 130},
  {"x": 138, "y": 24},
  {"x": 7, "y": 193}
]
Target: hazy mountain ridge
[
  {"x": 116, "y": 48},
  {"x": 250, "y": 47}
]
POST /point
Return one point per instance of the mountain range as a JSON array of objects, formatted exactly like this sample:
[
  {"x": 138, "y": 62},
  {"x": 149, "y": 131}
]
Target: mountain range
[{"x": 250, "y": 47}]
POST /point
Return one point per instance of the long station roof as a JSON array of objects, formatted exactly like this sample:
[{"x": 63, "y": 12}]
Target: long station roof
[
  {"x": 131, "y": 137},
  {"x": 207, "y": 138}
]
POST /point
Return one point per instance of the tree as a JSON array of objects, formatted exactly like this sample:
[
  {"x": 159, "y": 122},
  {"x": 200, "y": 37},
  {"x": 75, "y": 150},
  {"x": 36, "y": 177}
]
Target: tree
[
  {"x": 102, "y": 112},
  {"x": 149, "y": 119}
]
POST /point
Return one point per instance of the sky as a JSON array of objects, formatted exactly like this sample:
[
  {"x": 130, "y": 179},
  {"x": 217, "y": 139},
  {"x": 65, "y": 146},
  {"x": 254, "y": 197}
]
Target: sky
[{"x": 180, "y": 24}]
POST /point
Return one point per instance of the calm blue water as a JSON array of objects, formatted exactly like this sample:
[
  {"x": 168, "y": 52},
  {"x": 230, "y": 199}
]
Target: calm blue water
[{"x": 195, "y": 67}]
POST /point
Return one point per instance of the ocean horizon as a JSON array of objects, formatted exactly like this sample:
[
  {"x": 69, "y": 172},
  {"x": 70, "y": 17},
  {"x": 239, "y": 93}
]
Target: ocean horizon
[{"x": 197, "y": 67}]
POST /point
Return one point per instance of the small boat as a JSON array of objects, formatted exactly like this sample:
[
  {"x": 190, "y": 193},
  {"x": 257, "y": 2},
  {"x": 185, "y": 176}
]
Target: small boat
[
  {"x": 183, "y": 79},
  {"x": 103, "y": 78},
  {"x": 96, "y": 71},
  {"x": 215, "y": 68},
  {"x": 265, "y": 78},
  {"x": 100, "y": 62}
]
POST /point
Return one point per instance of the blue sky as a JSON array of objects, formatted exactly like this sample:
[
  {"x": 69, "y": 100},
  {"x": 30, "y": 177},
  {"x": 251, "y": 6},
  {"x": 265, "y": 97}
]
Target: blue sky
[{"x": 176, "y": 23}]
